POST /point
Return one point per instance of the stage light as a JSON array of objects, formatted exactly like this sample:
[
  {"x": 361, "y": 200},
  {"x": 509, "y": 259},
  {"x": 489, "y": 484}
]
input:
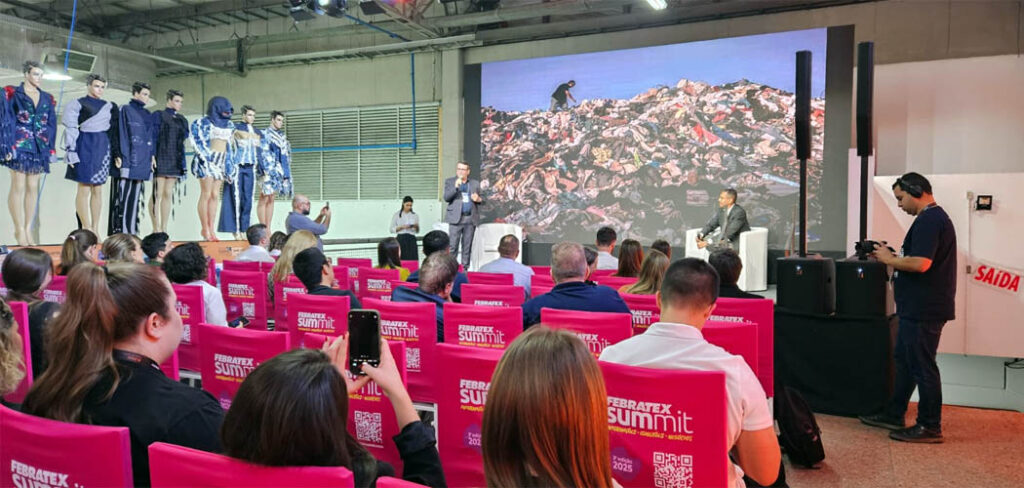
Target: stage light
[
  {"x": 324, "y": 3},
  {"x": 56, "y": 76},
  {"x": 301, "y": 10},
  {"x": 657, "y": 4}
]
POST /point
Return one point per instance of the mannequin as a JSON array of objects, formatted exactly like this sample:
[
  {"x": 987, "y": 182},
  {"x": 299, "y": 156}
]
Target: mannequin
[
  {"x": 275, "y": 168},
  {"x": 90, "y": 144},
  {"x": 135, "y": 167},
  {"x": 237, "y": 204},
  {"x": 171, "y": 130},
  {"x": 28, "y": 129},
  {"x": 214, "y": 162}
]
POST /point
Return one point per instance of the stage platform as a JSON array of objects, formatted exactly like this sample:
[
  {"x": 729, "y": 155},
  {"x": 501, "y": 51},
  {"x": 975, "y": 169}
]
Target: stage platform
[{"x": 219, "y": 251}]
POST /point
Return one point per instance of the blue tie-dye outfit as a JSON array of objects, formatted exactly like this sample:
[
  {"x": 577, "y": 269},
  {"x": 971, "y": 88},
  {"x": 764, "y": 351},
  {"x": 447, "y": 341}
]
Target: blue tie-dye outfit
[
  {"x": 275, "y": 166},
  {"x": 236, "y": 206},
  {"x": 212, "y": 138},
  {"x": 27, "y": 131}
]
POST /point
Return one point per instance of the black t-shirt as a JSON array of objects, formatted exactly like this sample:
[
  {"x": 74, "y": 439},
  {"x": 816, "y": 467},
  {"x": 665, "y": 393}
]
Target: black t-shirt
[
  {"x": 928, "y": 296},
  {"x": 155, "y": 408},
  {"x": 328, "y": 291},
  {"x": 560, "y": 92}
]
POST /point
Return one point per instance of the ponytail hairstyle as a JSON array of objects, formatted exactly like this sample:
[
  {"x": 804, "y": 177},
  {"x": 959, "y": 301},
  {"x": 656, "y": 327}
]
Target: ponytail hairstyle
[
  {"x": 104, "y": 306},
  {"x": 118, "y": 248},
  {"x": 75, "y": 247}
]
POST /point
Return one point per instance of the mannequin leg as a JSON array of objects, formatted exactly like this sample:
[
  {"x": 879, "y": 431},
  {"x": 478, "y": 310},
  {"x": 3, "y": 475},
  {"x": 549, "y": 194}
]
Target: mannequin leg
[
  {"x": 82, "y": 206},
  {"x": 211, "y": 207},
  {"x": 96, "y": 206},
  {"x": 15, "y": 204},
  {"x": 166, "y": 194},
  {"x": 154, "y": 215},
  {"x": 261, "y": 209},
  {"x": 31, "y": 198},
  {"x": 205, "y": 193}
]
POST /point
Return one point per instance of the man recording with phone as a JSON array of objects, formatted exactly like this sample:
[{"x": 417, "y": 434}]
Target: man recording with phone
[
  {"x": 924, "y": 284},
  {"x": 298, "y": 219},
  {"x": 462, "y": 196}
]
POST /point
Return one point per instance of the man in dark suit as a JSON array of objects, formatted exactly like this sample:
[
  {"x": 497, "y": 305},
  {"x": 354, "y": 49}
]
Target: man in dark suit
[
  {"x": 462, "y": 196},
  {"x": 732, "y": 220}
]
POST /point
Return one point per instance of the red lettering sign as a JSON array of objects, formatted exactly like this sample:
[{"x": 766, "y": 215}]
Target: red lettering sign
[{"x": 996, "y": 277}]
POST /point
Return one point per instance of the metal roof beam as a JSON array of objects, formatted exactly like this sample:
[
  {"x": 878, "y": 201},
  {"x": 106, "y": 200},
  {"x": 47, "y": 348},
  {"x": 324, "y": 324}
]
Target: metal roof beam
[{"x": 190, "y": 11}]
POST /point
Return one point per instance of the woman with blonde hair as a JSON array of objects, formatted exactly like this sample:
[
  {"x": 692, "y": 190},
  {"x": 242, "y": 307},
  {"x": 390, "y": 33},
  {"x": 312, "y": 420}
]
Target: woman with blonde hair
[
  {"x": 652, "y": 271},
  {"x": 12, "y": 361},
  {"x": 297, "y": 242},
  {"x": 545, "y": 422},
  {"x": 123, "y": 248},
  {"x": 631, "y": 255}
]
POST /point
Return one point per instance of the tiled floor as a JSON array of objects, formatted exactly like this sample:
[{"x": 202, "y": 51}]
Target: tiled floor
[{"x": 983, "y": 448}]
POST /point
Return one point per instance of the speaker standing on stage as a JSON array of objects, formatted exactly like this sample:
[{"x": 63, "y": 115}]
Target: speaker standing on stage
[
  {"x": 405, "y": 224},
  {"x": 924, "y": 282},
  {"x": 462, "y": 195},
  {"x": 730, "y": 219}
]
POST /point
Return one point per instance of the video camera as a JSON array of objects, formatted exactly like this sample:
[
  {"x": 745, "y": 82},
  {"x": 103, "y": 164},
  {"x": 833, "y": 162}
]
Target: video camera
[{"x": 866, "y": 247}]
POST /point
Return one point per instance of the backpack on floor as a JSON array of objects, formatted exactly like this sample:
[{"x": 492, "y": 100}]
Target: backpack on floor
[{"x": 799, "y": 435}]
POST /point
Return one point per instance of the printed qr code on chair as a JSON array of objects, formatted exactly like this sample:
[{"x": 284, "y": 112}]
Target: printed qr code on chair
[
  {"x": 368, "y": 427},
  {"x": 673, "y": 470}
]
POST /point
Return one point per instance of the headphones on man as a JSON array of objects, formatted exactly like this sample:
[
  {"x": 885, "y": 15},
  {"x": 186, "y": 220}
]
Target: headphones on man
[{"x": 914, "y": 190}]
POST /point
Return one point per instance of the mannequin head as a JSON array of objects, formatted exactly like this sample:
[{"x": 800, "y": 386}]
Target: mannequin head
[
  {"x": 175, "y": 99},
  {"x": 33, "y": 74},
  {"x": 140, "y": 91},
  {"x": 276, "y": 120},
  {"x": 95, "y": 84}
]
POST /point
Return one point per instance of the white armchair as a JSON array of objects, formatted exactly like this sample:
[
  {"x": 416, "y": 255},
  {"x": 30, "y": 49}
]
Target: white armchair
[{"x": 753, "y": 251}]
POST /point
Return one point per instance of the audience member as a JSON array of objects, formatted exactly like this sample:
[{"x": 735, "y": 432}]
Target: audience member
[
  {"x": 663, "y": 246},
  {"x": 591, "y": 262},
  {"x": 12, "y": 360},
  {"x": 389, "y": 256},
  {"x": 438, "y": 241},
  {"x": 729, "y": 265},
  {"x": 298, "y": 219},
  {"x": 297, "y": 242},
  {"x": 187, "y": 265},
  {"x": 122, "y": 248},
  {"x": 81, "y": 246},
  {"x": 605, "y": 244},
  {"x": 315, "y": 272},
  {"x": 631, "y": 256},
  {"x": 155, "y": 246},
  {"x": 571, "y": 292},
  {"x": 27, "y": 272},
  {"x": 292, "y": 410},
  {"x": 259, "y": 237},
  {"x": 686, "y": 299},
  {"x": 508, "y": 250},
  {"x": 436, "y": 282},
  {"x": 118, "y": 323},
  {"x": 277, "y": 240},
  {"x": 545, "y": 423},
  {"x": 651, "y": 274}
]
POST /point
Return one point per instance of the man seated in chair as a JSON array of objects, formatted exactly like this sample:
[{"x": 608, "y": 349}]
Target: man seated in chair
[
  {"x": 725, "y": 226},
  {"x": 508, "y": 250},
  {"x": 729, "y": 266}
]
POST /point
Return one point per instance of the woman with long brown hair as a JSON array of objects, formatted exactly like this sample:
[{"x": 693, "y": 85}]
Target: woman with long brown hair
[
  {"x": 631, "y": 255},
  {"x": 118, "y": 324},
  {"x": 545, "y": 421},
  {"x": 27, "y": 272},
  {"x": 389, "y": 256},
  {"x": 651, "y": 273},
  {"x": 297, "y": 242},
  {"x": 81, "y": 246}
]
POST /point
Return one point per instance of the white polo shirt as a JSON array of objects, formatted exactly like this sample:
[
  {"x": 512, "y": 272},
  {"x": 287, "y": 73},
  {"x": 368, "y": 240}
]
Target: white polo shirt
[
  {"x": 605, "y": 260},
  {"x": 667, "y": 345}
]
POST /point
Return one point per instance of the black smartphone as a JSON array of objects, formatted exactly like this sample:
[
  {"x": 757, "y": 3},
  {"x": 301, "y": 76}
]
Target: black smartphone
[
  {"x": 239, "y": 322},
  {"x": 363, "y": 339}
]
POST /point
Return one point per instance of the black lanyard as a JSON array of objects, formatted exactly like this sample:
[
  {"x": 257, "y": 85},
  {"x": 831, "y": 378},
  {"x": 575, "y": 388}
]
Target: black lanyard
[{"x": 131, "y": 357}]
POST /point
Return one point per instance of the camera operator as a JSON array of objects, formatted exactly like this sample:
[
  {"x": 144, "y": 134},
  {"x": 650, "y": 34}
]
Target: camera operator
[{"x": 924, "y": 282}]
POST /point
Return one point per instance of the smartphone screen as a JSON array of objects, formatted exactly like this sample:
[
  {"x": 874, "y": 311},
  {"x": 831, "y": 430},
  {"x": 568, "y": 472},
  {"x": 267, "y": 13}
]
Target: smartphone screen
[{"x": 363, "y": 339}]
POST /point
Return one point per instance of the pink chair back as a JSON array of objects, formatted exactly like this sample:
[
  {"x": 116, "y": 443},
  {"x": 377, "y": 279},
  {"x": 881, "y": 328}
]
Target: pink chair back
[
  {"x": 389, "y": 482},
  {"x": 597, "y": 329},
  {"x": 211, "y": 271},
  {"x": 614, "y": 282},
  {"x": 415, "y": 324},
  {"x": 541, "y": 271},
  {"x": 345, "y": 276},
  {"x": 57, "y": 290},
  {"x": 281, "y": 292},
  {"x": 192, "y": 309},
  {"x": 324, "y": 315},
  {"x": 397, "y": 283},
  {"x": 353, "y": 265},
  {"x": 170, "y": 366},
  {"x": 541, "y": 284},
  {"x": 251, "y": 266},
  {"x": 464, "y": 379},
  {"x": 371, "y": 418},
  {"x": 376, "y": 283},
  {"x": 480, "y": 326},
  {"x": 760, "y": 312},
  {"x": 736, "y": 338},
  {"x": 42, "y": 452},
  {"x": 245, "y": 294},
  {"x": 313, "y": 341},
  {"x": 478, "y": 278},
  {"x": 493, "y": 295},
  {"x": 684, "y": 446},
  {"x": 411, "y": 264},
  {"x": 602, "y": 273},
  {"x": 3, "y": 288},
  {"x": 645, "y": 311},
  {"x": 229, "y": 355},
  {"x": 172, "y": 466},
  {"x": 20, "y": 310}
]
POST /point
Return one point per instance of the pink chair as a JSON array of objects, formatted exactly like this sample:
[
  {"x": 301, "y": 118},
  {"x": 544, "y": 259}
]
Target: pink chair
[
  {"x": 245, "y": 294},
  {"x": 324, "y": 315},
  {"x": 229, "y": 355},
  {"x": 736, "y": 338},
  {"x": 685, "y": 446},
  {"x": 481, "y": 326},
  {"x": 192, "y": 309},
  {"x": 3, "y": 288},
  {"x": 389, "y": 482},
  {"x": 602, "y": 273},
  {"x": 20, "y": 310},
  {"x": 645, "y": 311},
  {"x": 478, "y": 278},
  {"x": 614, "y": 282},
  {"x": 345, "y": 277},
  {"x": 170, "y": 366},
  {"x": 173, "y": 466},
  {"x": 371, "y": 418},
  {"x": 415, "y": 324},
  {"x": 353, "y": 265},
  {"x": 38, "y": 452},
  {"x": 411, "y": 264},
  {"x": 597, "y": 329},
  {"x": 760, "y": 312},
  {"x": 281, "y": 292},
  {"x": 541, "y": 284},
  {"x": 211, "y": 271},
  {"x": 375, "y": 283},
  {"x": 251, "y": 266},
  {"x": 493, "y": 295},
  {"x": 397, "y": 283},
  {"x": 57, "y": 290},
  {"x": 465, "y": 375},
  {"x": 541, "y": 271}
]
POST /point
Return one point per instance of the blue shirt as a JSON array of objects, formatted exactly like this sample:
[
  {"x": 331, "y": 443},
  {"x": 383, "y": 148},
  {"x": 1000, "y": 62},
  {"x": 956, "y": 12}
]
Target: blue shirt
[
  {"x": 574, "y": 295},
  {"x": 460, "y": 278},
  {"x": 521, "y": 275},
  {"x": 928, "y": 296},
  {"x": 467, "y": 204},
  {"x": 296, "y": 221},
  {"x": 406, "y": 294}
]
